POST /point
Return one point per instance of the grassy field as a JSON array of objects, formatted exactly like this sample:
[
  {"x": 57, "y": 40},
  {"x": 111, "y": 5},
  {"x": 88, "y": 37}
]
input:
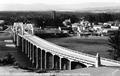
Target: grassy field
[
  {"x": 19, "y": 57},
  {"x": 88, "y": 45}
]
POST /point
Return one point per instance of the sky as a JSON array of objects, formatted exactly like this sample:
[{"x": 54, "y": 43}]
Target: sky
[{"x": 54, "y": 4}]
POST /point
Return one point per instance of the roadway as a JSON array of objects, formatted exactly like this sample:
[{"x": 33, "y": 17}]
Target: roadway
[{"x": 67, "y": 53}]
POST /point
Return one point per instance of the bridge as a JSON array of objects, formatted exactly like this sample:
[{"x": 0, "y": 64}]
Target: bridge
[{"x": 46, "y": 55}]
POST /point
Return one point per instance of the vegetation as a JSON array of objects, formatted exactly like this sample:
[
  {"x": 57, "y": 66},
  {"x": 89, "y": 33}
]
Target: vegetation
[
  {"x": 7, "y": 60},
  {"x": 114, "y": 42},
  {"x": 44, "y": 19}
]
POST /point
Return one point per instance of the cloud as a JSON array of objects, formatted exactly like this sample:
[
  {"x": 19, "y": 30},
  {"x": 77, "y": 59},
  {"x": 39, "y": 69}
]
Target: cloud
[{"x": 44, "y": 7}]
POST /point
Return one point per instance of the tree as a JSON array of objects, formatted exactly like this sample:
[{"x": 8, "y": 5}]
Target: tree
[{"x": 114, "y": 42}]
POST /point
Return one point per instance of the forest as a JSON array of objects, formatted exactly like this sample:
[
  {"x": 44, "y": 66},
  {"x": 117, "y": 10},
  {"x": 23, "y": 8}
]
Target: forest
[{"x": 45, "y": 18}]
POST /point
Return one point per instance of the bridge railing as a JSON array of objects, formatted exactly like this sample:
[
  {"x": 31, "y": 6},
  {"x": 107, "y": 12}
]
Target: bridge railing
[
  {"x": 106, "y": 59},
  {"x": 88, "y": 55},
  {"x": 54, "y": 51}
]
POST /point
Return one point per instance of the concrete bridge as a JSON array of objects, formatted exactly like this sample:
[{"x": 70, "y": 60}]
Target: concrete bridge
[{"x": 46, "y": 55}]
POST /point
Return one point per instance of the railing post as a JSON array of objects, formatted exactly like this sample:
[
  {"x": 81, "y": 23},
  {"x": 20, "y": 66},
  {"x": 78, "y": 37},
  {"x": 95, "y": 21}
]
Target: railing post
[{"x": 98, "y": 61}]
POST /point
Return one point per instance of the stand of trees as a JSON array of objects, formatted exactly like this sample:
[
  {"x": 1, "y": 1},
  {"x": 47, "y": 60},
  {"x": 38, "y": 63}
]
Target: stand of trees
[
  {"x": 100, "y": 17},
  {"x": 45, "y": 19},
  {"x": 114, "y": 42}
]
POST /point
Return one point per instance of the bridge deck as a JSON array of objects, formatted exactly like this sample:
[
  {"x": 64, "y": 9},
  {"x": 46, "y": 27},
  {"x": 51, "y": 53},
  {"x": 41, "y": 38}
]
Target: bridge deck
[{"x": 67, "y": 53}]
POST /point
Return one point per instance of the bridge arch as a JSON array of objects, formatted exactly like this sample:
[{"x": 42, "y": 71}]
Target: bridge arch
[
  {"x": 49, "y": 60},
  {"x": 65, "y": 64},
  {"x": 76, "y": 65},
  {"x": 18, "y": 28},
  {"x": 39, "y": 58},
  {"x": 29, "y": 28},
  {"x": 43, "y": 59},
  {"x": 57, "y": 62}
]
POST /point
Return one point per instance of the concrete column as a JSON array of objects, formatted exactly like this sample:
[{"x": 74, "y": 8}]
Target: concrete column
[
  {"x": 45, "y": 60},
  {"x": 69, "y": 65},
  {"x": 60, "y": 66},
  {"x": 28, "y": 50},
  {"x": 17, "y": 40},
  {"x": 53, "y": 62},
  {"x": 32, "y": 53},
  {"x": 25, "y": 46},
  {"x": 41, "y": 60},
  {"x": 14, "y": 37},
  {"x": 37, "y": 59},
  {"x": 22, "y": 45}
]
